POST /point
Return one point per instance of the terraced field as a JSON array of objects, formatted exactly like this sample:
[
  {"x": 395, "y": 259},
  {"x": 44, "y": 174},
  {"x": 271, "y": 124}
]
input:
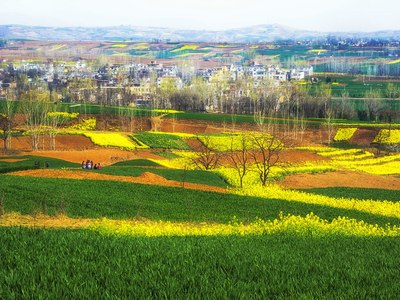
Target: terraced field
[{"x": 152, "y": 225}]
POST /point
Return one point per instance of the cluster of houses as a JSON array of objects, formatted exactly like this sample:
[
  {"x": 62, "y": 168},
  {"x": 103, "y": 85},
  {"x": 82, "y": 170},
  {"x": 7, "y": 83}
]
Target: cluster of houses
[
  {"x": 138, "y": 77},
  {"x": 259, "y": 72}
]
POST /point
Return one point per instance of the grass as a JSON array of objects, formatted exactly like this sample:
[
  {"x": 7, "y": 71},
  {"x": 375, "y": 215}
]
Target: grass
[
  {"x": 162, "y": 140},
  {"x": 165, "y": 154},
  {"x": 79, "y": 264},
  {"x": 355, "y": 88},
  {"x": 28, "y": 162},
  {"x": 357, "y": 193},
  {"x": 192, "y": 176},
  {"x": 117, "y": 200},
  {"x": 136, "y": 163}
]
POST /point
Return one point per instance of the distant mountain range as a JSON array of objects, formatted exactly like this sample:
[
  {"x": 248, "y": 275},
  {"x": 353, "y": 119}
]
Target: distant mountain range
[{"x": 254, "y": 34}]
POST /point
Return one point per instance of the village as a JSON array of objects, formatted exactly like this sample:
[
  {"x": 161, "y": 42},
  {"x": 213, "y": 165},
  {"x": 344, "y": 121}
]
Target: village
[{"x": 136, "y": 79}]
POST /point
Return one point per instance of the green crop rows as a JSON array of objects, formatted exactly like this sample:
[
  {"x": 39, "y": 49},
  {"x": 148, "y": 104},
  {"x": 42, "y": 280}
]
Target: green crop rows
[
  {"x": 117, "y": 200},
  {"x": 70, "y": 264},
  {"x": 162, "y": 140}
]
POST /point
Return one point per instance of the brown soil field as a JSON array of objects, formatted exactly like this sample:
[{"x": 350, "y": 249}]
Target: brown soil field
[
  {"x": 299, "y": 156},
  {"x": 145, "y": 178},
  {"x": 63, "y": 142},
  {"x": 341, "y": 179},
  {"x": 363, "y": 136}
]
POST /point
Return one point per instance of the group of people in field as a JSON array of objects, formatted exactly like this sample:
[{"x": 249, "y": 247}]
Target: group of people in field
[{"x": 88, "y": 165}]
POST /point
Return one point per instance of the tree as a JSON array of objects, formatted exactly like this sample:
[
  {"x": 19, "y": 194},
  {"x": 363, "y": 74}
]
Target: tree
[
  {"x": 200, "y": 87},
  {"x": 392, "y": 91},
  {"x": 328, "y": 113},
  {"x": 55, "y": 119},
  {"x": 240, "y": 158},
  {"x": 81, "y": 90},
  {"x": 265, "y": 154},
  {"x": 22, "y": 84},
  {"x": 35, "y": 109},
  {"x": 8, "y": 110},
  {"x": 346, "y": 110},
  {"x": 267, "y": 102},
  {"x": 219, "y": 84},
  {"x": 373, "y": 104},
  {"x": 168, "y": 87},
  {"x": 206, "y": 158}
]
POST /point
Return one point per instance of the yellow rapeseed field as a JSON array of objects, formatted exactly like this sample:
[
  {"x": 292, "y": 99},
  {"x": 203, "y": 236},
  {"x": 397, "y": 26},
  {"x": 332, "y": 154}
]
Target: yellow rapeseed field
[
  {"x": 344, "y": 134},
  {"x": 382, "y": 208},
  {"x": 113, "y": 140},
  {"x": 310, "y": 225},
  {"x": 386, "y": 136}
]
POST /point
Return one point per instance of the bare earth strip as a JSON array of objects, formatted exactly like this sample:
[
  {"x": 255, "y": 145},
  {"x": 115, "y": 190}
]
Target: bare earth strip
[
  {"x": 145, "y": 178},
  {"x": 11, "y": 160},
  {"x": 341, "y": 179},
  {"x": 44, "y": 221}
]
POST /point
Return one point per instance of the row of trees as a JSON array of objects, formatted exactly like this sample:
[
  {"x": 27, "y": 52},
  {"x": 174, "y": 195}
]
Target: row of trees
[
  {"x": 257, "y": 152},
  {"x": 39, "y": 116},
  {"x": 222, "y": 93}
]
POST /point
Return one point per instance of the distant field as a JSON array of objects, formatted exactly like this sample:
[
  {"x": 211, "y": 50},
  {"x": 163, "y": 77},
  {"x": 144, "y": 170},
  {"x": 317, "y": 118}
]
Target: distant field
[
  {"x": 356, "y": 86},
  {"x": 354, "y": 60}
]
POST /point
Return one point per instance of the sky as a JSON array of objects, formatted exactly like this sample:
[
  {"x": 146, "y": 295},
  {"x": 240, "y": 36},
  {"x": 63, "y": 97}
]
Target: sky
[{"x": 319, "y": 15}]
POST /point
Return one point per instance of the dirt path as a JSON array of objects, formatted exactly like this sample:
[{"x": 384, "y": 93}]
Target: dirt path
[
  {"x": 145, "y": 178},
  {"x": 341, "y": 179}
]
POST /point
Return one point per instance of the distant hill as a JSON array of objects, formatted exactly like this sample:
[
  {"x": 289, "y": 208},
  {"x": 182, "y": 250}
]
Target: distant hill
[{"x": 254, "y": 34}]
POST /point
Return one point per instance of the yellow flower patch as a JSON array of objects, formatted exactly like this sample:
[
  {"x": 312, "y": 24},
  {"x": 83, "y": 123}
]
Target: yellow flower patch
[
  {"x": 382, "y": 208},
  {"x": 186, "y": 47},
  {"x": 386, "y": 136},
  {"x": 113, "y": 140},
  {"x": 89, "y": 124},
  {"x": 394, "y": 62},
  {"x": 228, "y": 142},
  {"x": 310, "y": 225},
  {"x": 344, "y": 134},
  {"x": 167, "y": 111}
]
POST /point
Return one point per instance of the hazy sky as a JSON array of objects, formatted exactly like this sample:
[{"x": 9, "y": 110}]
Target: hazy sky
[{"x": 321, "y": 15}]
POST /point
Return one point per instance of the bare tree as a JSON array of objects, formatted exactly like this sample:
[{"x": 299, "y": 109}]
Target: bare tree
[
  {"x": 392, "y": 91},
  {"x": 35, "y": 110},
  {"x": 325, "y": 95},
  {"x": 55, "y": 120},
  {"x": 240, "y": 157},
  {"x": 206, "y": 158},
  {"x": 265, "y": 154},
  {"x": 8, "y": 110},
  {"x": 328, "y": 123},
  {"x": 373, "y": 104}
]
